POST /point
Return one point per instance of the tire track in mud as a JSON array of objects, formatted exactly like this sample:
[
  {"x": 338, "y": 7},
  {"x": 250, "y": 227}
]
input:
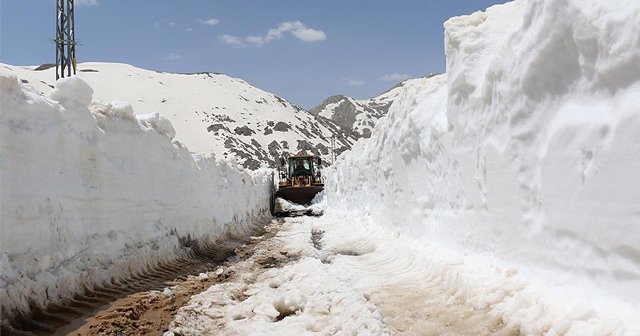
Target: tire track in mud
[{"x": 65, "y": 317}]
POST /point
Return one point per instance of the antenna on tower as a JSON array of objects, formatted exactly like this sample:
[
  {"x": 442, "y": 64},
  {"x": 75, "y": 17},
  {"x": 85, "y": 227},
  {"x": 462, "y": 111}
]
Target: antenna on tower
[{"x": 65, "y": 39}]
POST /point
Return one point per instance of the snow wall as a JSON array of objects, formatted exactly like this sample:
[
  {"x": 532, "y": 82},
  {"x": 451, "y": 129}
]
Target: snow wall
[
  {"x": 90, "y": 192},
  {"x": 524, "y": 155}
]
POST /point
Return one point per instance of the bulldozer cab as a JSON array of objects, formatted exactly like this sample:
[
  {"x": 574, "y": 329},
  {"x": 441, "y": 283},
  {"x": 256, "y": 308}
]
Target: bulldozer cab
[
  {"x": 300, "y": 166},
  {"x": 301, "y": 170}
]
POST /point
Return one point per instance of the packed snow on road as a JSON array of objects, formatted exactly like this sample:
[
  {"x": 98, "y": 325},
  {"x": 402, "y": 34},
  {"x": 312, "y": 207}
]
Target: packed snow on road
[
  {"x": 499, "y": 198},
  {"x": 342, "y": 276}
]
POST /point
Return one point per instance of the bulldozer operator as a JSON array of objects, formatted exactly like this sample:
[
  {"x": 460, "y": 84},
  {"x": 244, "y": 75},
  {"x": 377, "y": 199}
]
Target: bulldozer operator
[{"x": 300, "y": 169}]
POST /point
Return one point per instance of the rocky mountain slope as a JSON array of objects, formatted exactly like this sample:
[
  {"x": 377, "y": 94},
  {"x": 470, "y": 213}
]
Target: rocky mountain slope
[
  {"x": 357, "y": 118},
  {"x": 211, "y": 113}
]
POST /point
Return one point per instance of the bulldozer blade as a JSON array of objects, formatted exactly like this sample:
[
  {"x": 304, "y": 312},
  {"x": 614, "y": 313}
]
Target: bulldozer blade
[{"x": 299, "y": 195}]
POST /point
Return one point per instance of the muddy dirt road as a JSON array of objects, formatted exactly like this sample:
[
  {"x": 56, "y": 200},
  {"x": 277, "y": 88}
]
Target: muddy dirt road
[{"x": 150, "y": 312}]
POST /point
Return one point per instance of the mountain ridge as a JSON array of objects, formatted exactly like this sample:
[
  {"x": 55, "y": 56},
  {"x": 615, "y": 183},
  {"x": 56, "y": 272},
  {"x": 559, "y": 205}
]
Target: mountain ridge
[
  {"x": 357, "y": 117},
  {"x": 219, "y": 115}
]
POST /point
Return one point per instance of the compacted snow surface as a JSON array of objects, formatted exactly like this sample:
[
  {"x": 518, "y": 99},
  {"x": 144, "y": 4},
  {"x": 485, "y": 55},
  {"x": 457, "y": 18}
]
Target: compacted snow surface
[{"x": 331, "y": 276}]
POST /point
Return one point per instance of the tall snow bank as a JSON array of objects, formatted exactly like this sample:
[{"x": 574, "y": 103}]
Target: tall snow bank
[
  {"x": 525, "y": 154},
  {"x": 91, "y": 191}
]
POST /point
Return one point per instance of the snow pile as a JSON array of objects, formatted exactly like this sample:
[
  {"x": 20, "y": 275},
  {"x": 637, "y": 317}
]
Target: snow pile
[
  {"x": 523, "y": 156},
  {"x": 92, "y": 191},
  {"x": 159, "y": 123},
  {"x": 316, "y": 208}
]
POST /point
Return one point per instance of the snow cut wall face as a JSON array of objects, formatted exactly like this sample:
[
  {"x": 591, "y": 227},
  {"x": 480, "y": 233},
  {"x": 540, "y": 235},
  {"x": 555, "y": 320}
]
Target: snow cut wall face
[
  {"x": 527, "y": 151},
  {"x": 87, "y": 188},
  {"x": 549, "y": 113}
]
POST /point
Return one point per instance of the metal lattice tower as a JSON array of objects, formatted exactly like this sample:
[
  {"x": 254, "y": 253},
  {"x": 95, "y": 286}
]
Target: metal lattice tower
[{"x": 65, "y": 39}]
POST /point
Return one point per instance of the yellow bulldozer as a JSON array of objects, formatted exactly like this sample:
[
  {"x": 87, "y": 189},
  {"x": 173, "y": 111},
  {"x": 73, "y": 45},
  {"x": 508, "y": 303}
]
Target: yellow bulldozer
[{"x": 299, "y": 181}]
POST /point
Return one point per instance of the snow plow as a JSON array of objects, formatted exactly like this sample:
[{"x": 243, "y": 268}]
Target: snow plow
[{"x": 299, "y": 181}]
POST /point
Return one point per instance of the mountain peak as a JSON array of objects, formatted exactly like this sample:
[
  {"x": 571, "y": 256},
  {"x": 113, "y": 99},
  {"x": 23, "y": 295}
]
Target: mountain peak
[{"x": 355, "y": 117}]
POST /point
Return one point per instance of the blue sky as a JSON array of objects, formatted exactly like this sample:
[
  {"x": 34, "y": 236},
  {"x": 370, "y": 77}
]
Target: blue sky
[{"x": 301, "y": 50}]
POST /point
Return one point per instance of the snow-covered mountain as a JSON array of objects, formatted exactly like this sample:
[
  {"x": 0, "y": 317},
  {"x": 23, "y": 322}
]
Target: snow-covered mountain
[
  {"x": 358, "y": 117},
  {"x": 211, "y": 113}
]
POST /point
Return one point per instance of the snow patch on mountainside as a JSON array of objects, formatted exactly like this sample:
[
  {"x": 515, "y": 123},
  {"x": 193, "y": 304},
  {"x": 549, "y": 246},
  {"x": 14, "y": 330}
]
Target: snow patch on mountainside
[
  {"x": 91, "y": 191},
  {"x": 523, "y": 157}
]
